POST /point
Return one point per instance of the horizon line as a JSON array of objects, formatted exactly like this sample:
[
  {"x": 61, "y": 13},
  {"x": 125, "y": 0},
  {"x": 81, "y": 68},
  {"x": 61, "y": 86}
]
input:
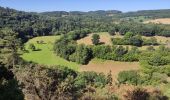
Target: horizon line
[{"x": 29, "y": 11}]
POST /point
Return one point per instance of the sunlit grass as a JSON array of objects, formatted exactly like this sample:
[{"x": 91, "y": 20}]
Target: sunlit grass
[{"x": 45, "y": 55}]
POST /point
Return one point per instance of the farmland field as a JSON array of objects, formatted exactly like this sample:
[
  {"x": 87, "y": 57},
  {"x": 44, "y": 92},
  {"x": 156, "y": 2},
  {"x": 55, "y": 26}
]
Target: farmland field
[
  {"x": 105, "y": 66},
  {"x": 105, "y": 38},
  {"x": 45, "y": 55},
  {"x": 159, "y": 21}
]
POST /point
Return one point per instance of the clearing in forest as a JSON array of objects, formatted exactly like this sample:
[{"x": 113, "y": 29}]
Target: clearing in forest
[
  {"x": 115, "y": 67},
  {"x": 105, "y": 38},
  {"x": 159, "y": 21},
  {"x": 45, "y": 54}
]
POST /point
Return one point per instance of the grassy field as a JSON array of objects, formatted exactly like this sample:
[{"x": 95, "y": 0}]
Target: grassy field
[
  {"x": 105, "y": 66},
  {"x": 159, "y": 21},
  {"x": 106, "y": 39},
  {"x": 45, "y": 55}
]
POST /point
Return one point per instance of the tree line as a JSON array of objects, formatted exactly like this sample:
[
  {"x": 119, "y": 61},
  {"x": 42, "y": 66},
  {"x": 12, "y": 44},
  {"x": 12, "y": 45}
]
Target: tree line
[{"x": 29, "y": 25}]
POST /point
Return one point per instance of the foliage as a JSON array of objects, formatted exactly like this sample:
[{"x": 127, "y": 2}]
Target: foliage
[
  {"x": 135, "y": 40},
  {"x": 58, "y": 83},
  {"x": 9, "y": 88},
  {"x": 130, "y": 77},
  {"x": 95, "y": 39},
  {"x": 112, "y": 31},
  {"x": 32, "y": 47},
  {"x": 82, "y": 55},
  {"x": 143, "y": 94},
  {"x": 40, "y": 82},
  {"x": 90, "y": 78},
  {"x": 157, "y": 60},
  {"x": 93, "y": 93},
  {"x": 64, "y": 48},
  {"x": 137, "y": 94}
]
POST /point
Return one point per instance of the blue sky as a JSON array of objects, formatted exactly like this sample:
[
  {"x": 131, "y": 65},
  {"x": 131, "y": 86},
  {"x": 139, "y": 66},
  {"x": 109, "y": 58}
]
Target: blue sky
[{"x": 85, "y": 5}]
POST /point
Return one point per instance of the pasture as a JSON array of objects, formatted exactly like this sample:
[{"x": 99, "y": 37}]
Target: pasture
[
  {"x": 45, "y": 55},
  {"x": 105, "y": 66},
  {"x": 105, "y": 38},
  {"x": 159, "y": 21}
]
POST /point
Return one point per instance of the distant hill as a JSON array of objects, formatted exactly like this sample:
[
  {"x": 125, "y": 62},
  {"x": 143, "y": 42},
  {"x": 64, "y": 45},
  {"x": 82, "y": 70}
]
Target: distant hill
[
  {"x": 90, "y": 13},
  {"x": 164, "y": 13}
]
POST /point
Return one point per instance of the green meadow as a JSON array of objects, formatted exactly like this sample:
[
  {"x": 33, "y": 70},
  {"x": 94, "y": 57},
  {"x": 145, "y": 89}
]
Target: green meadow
[{"x": 45, "y": 54}]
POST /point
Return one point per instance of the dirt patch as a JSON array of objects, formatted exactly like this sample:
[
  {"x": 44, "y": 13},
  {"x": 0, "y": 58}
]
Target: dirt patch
[
  {"x": 159, "y": 21},
  {"x": 106, "y": 66},
  {"x": 87, "y": 40},
  {"x": 104, "y": 38}
]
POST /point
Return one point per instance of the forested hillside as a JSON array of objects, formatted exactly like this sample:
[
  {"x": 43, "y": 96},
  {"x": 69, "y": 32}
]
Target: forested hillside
[
  {"x": 149, "y": 13},
  {"x": 21, "y": 79},
  {"x": 29, "y": 25},
  {"x": 78, "y": 13}
]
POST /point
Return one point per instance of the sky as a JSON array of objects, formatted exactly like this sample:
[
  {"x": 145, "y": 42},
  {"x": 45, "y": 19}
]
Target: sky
[{"x": 85, "y": 5}]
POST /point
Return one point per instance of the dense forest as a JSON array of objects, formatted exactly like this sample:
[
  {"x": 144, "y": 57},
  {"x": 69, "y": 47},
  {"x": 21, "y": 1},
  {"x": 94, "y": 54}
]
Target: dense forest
[
  {"x": 20, "y": 79},
  {"x": 29, "y": 25}
]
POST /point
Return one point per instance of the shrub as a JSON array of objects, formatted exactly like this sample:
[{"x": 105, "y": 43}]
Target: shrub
[
  {"x": 95, "y": 39},
  {"x": 130, "y": 77},
  {"x": 157, "y": 60},
  {"x": 82, "y": 55},
  {"x": 90, "y": 78},
  {"x": 32, "y": 47},
  {"x": 137, "y": 94}
]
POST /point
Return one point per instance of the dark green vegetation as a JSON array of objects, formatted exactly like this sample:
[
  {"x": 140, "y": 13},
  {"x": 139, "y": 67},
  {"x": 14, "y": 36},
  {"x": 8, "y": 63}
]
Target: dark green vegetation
[
  {"x": 95, "y": 39},
  {"x": 155, "y": 68},
  {"x": 29, "y": 25},
  {"x": 20, "y": 79},
  {"x": 59, "y": 83},
  {"x": 68, "y": 49},
  {"x": 149, "y": 13},
  {"x": 135, "y": 40},
  {"x": 142, "y": 94}
]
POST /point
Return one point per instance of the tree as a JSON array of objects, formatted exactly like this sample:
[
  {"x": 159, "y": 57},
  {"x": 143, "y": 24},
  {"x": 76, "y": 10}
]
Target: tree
[
  {"x": 157, "y": 60},
  {"x": 112, "y": 31},
  {"x": 137, "y": 94},
  {"x": 82, "y": 55},
  {"x": 11, "y": 44},
  {"x": 32, "y": 47},
  {"x": 136, "y": 41},
  {"x": 130, "y": 77},
  {"x": 143, "y": 94},
  {"x": 120, "y": 51},
  {"x": 9, "y": 88},
  {"x": 128, "y": 35},
  {"x": 64, "y": 48},
  {"x": 109, "y": 78},
  {"x": 95, "y": 39}
]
